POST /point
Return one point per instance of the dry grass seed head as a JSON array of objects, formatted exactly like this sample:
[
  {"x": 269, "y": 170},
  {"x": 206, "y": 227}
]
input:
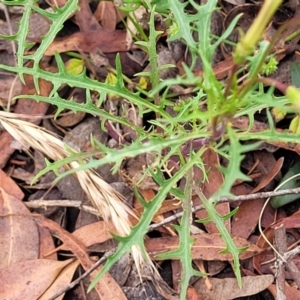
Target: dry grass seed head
[
  {"x": 101, "y": 194},
  {"x": 103, "y": 197}
]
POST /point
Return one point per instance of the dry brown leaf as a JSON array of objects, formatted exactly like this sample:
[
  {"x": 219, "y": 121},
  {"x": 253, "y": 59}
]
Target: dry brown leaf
[
  {"x": 10, "y": 187},
  {"x": 167, "y": 206},
  {"x": 106, "y": 14},
  {"x": 46, "y": 245},
  {"x": 246, "y": 218},
  {"x": 61, "y": 281},
  {"x": 6, "y": 150},
  {"x": 221, "y": 69},
  {"x": 29, "y": 279},
  {"x": 109, "y": 203},
  {"x": 192, "y": 294},
  {"x": 261, "y": 243},
  {"x": 290, "y": 222},
  {"x": 129, "y": 67},
  {"x": 6, "y": 90},
  {"x": 107, "y": 287},
  {"x": 27, "y": 107},
  {"x": 290, "y": 292},
  {"x": 227, "y": 288},
  {"x": 270, "y": 175},
  {"x": 267, "y": 267},
  {"x": 206, "y": 247},
  {"x": 210, "y": 187},
  {"x": 23, "y": 175},
  {"x": 85, "y": 18},
  {"x": 243, "y": 124},
  {"x": 104, "y": 40},
  {"x": 19, "y": 238},
  {"x": 72, "y": 119},
  {"x": 92, "y": 234},
  {"x": 148, "y": 195},
  {"x": 38, "y": 27},
  {"x": 176, "y": 274}
]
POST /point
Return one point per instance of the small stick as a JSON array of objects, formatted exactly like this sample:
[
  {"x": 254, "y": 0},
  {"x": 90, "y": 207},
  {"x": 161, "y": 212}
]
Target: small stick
[
  {"x": 85, "y": 274},
  {"x": 280, "y": 242}
]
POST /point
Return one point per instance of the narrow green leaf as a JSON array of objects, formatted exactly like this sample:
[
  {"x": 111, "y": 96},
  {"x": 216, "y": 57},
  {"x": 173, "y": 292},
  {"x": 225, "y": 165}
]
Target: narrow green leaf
[{"x": 295, "y": 74}]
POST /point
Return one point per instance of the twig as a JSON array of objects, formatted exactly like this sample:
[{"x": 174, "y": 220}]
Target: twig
[
  {"x": 85, "y": 274},
  {"x": 78, "y": 203},
  {"x": 280, "y": 239},
  {"x": 260, "y": 195},
  {"x": 62, "y": 203},
  {"x": 280, "y": 242},
  {"x": 69, "y": 203},
  {"x": 294, "y": 272},
  {"x": 291, "y": 254},
  {"x": 228, "y": 199},
  {"x": 263, "y": 209}
]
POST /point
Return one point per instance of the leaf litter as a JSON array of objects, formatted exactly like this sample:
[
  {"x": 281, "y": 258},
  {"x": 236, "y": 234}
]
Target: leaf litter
[{"x": 29, "y": 252}]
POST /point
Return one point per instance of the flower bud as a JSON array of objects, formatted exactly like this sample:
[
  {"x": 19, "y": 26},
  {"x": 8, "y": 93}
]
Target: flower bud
[
  {"x": 293, "y": 94},
  {"x": 246, "y": 45}
]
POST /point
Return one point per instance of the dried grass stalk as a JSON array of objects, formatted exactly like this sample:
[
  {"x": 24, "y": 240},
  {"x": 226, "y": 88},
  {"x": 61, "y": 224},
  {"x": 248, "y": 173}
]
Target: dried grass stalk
[{"x": 103, "y": 197}]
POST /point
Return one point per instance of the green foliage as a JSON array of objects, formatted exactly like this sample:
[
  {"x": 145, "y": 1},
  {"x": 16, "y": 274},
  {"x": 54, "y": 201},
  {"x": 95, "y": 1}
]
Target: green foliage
[
  {"x": 151, "y": 47},
  {"x": 186, "y": 242},
  {"x": 289, "y": 181},
  {"x": 57, "y": 18},
  {"x": 233, "y": 152},
  {"x": 23, "y": 31},
  {"x": 219, "y": 222},
  {"x": 224, "y": 102},
  {"x": 295, "y": 70},
  {"x": 138, "y": 232},
  {"x": 270, "y": 67}
]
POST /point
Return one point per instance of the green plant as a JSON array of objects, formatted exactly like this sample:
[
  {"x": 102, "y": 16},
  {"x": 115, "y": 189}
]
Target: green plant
[{"x": 211, "y": 125}]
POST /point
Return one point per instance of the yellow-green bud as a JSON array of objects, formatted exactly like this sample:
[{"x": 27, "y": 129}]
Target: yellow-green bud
[
  {"x": 293, "y": 94},
  {"x": 246, "y": 45}
]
